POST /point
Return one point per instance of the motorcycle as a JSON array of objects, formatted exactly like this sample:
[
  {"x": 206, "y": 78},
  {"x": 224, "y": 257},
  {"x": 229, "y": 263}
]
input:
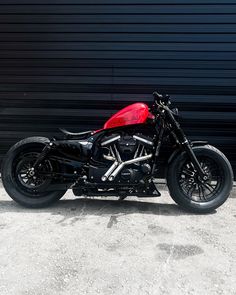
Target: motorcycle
[{"x": 121, "y": 160}]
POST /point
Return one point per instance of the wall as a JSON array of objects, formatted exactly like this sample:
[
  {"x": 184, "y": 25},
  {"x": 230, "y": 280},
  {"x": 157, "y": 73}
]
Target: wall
[{"x": 71, "y": 63}]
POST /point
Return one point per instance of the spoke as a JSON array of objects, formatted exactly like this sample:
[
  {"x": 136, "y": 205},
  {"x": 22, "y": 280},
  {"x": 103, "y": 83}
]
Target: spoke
[
  {"x": 201, "y": 190},
  {"x": 188, "y": 172},
  {"x": 208, "y": 186},
  {"x": 183, "y": 183},
  {"x": 28, "y": 181},
  {"x": 193, "y": 167},
  {"x": 190, "y": 189},
  {"x": 23, "y": 172},
  {"x": 203, "y": 165},
  {"x": 211, "y": 185}
]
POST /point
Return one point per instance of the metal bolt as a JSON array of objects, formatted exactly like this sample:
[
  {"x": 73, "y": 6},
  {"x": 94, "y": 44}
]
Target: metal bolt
[{"x": 31, "y": 173}]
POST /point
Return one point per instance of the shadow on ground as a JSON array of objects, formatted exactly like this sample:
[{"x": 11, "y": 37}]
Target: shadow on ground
[{"x": 98, "y": 207}]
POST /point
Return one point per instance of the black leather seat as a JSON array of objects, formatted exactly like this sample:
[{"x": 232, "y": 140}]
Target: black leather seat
[{"x": 79, "y": 135}]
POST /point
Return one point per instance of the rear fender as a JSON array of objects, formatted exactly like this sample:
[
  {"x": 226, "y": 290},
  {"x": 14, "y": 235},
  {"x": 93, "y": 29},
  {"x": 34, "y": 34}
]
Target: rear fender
[{"x": 28, "y": 141}]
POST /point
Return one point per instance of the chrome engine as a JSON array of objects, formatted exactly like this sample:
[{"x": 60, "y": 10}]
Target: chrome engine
[{"x": 126, "y": 158}]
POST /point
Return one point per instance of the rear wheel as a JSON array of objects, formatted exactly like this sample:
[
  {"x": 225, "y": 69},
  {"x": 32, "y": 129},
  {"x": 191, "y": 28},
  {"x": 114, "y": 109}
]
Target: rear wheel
[
  {"x": 189, "y": 191},
  {"x": 24, "y": 185}
]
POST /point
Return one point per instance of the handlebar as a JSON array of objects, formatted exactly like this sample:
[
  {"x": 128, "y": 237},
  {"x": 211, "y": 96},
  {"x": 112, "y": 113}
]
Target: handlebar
[
  {"x": 162, "y": 102},
  {"x": 161, "y": 98}
]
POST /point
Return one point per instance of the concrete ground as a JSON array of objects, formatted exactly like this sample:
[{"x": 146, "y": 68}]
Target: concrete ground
[{"x": 96, "y": 246}]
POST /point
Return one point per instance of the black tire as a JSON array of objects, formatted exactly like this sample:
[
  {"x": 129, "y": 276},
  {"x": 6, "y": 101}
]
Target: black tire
[
  {"x": 217, "y": 194},
  {"x": 15, "y": 190}
]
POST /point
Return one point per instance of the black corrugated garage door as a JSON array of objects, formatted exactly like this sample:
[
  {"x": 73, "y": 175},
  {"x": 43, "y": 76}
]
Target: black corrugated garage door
[{"x": 72, "y": 63}]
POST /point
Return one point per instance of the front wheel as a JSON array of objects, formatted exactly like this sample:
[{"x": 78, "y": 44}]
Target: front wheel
[{"x": 189, "y": 191}]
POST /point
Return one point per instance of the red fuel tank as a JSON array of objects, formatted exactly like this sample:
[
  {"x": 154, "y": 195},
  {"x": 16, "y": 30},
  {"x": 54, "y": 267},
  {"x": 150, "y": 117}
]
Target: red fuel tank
[{"x": 136, "y": 113}]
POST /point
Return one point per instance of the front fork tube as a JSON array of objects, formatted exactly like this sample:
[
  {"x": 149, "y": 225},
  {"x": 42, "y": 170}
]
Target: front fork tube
[
  {"x": 157, "y": 151},
  {"x": 183, "y": 141},
  {"x": 186, "y": 146}
]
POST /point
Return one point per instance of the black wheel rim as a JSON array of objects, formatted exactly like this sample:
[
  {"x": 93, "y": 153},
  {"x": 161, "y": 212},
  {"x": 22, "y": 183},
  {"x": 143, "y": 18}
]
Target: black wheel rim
[
  {"x": 29, "y": 181},
  {"x": 193, "y": 187}
]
